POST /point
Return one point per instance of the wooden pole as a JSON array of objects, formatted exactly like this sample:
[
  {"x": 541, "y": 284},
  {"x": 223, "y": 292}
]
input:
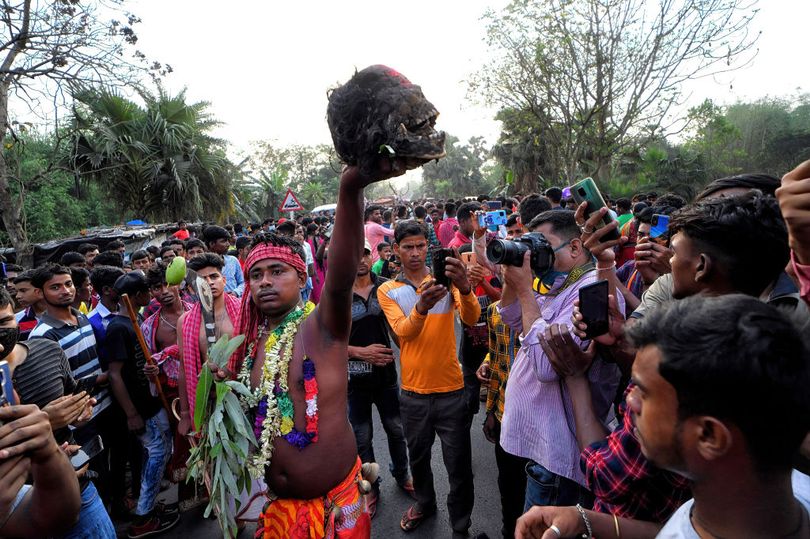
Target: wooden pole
[{"x": 133, "y": 317}]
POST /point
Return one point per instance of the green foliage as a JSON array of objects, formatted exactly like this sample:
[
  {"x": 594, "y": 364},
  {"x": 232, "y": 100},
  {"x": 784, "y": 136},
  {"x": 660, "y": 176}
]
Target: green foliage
[
  {"x": 460, "y": 171},
  {"x": 54, "y": 204},
  {"x": 158, "y": 160}
]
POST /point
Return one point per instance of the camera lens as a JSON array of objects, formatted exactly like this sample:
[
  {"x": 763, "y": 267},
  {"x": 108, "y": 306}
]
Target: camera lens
[{"x": 506, "y": 252}]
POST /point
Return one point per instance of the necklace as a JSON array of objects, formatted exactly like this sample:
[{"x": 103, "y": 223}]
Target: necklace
[
  {"x": 274, "y": 410},
  {"x": 174, "y": 327}
]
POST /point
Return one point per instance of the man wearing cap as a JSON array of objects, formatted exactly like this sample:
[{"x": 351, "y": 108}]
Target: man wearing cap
[
  {"x": 373, "y": 378},
  {"x": 296, "y": 361}
]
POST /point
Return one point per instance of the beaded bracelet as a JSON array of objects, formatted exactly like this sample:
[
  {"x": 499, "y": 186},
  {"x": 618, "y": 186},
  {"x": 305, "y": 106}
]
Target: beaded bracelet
[{"x": 587, "y": 522}]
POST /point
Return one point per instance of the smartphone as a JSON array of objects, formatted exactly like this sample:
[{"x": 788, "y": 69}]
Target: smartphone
[
  {"x": 440, "y": 255},
  {"x": 85, "y": 384},
  {"x": 586, "y": 191},
  {"x": 658, "y": 228},
  {"x": 87, "y": 452},
  {"x": 469, "y": 259},
  {"x": 593, "y": 305},
  {"x": 494, "y": 204},
  {"x": 7, "y": 397}
]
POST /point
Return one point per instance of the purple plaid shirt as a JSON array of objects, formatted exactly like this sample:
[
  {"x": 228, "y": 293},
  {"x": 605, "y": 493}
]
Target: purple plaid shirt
[{"x": 538, "y": 420}]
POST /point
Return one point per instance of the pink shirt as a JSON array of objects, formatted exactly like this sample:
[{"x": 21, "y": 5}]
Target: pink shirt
[
  {"x": 376, "y": 233},
  {"x": 803, "y": 275},
  {"x": 447, "y": 231},
  {"x": 459, "y": 239}
]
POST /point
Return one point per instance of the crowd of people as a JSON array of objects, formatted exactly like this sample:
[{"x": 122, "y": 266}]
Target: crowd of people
[{"x": 686, "y": 416}]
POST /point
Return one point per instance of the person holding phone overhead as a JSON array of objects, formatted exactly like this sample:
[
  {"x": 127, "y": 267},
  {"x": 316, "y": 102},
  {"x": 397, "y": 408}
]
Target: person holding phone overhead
[{"x": 421, "y": 314}]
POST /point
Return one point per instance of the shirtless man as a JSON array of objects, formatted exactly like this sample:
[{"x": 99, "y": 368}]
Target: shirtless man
[
  {"x": 319, "y": 476},
  {"x": 193, "y": 354},
  {"x": 160, "y": 329}
]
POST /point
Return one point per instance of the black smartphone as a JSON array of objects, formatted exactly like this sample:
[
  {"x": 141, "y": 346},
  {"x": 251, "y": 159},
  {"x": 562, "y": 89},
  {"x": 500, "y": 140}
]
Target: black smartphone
[
  {"x": 587, "y": 191},
  {"x": 440, "y": 255},
  {"x": 85, "y": 384},
  {"x": 7, "y": 396},
  {"x": 494, "y": 205},
  {"x": 593, "y": 305},
  {"x": 87, "y": 452}
]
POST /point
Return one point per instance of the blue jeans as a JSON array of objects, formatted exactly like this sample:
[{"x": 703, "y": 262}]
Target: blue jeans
[
  {"x": 157, "y": 448},
  {"x": 387, "y": 401},
  {"x": 547, "y": 488},
  {"x": 94, "y": 522}
]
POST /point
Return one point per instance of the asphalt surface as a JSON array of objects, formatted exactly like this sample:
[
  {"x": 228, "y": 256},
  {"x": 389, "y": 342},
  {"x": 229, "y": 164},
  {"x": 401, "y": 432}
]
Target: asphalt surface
[{"x": 394, "y": 502}]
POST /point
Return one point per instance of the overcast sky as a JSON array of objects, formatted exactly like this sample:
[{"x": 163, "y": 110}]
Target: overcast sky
[{"x": 266, "y": 66}]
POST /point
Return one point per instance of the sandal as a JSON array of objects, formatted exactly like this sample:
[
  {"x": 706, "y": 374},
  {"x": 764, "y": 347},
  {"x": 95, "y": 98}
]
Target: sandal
[{"x": 412, "y": 519}]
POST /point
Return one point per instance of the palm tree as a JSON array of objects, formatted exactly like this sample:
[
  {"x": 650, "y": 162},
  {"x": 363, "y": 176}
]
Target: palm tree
[{"x": 157, "y": 161}]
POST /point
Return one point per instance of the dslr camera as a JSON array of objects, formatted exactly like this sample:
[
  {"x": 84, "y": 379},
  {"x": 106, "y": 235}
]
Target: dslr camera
[{"x": 510, "y": 253}]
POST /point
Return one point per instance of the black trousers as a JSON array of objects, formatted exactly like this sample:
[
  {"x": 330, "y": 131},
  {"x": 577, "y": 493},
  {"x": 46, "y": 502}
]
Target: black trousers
[
  {"x": 512, "y": 486},
  {"x": 445, "y": 415}
]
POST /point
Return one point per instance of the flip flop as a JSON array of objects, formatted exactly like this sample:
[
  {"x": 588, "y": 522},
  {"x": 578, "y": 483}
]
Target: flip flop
[{"x": 412, "y": 519}]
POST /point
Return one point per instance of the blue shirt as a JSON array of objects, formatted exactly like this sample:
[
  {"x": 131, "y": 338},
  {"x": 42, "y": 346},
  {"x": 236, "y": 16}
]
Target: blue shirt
[{"x": 234, "y": 280}]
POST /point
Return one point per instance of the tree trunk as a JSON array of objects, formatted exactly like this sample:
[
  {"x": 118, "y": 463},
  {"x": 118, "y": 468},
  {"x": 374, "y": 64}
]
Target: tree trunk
[{"x": 11, "y": 205}]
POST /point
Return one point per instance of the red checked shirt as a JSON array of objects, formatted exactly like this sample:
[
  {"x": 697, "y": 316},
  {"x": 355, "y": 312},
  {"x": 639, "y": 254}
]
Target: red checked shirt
[{"x": 625, "y": 483}]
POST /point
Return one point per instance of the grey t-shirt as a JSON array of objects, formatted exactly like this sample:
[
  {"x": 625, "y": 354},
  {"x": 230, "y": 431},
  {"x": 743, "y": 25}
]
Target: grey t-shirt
[{"x": 659, "y": 292}]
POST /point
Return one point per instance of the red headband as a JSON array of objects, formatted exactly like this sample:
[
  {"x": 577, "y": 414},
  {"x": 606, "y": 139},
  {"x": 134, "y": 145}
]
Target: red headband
[{"x": 264, "y": 251}]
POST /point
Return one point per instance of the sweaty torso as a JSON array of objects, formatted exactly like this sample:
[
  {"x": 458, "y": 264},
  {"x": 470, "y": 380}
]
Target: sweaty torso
[{"x": 315, "y": 470}]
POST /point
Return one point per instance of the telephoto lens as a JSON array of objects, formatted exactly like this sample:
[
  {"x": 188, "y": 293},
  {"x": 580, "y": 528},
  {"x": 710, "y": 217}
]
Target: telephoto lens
[{"x": 510, "y": 253}]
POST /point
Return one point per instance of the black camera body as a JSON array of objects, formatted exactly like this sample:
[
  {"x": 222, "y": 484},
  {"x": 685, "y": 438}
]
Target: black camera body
[{"x": 510, "y": 253}]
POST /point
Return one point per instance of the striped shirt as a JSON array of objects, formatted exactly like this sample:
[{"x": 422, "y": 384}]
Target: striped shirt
[
  {"x": 79, "y": 345},
  {"x": 43, "y": 377},
  {"x": 538, "y": 419}
]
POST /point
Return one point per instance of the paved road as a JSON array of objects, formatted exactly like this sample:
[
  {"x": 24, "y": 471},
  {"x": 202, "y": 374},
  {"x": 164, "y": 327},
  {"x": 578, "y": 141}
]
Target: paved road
[{"x": 393, "y": 502}]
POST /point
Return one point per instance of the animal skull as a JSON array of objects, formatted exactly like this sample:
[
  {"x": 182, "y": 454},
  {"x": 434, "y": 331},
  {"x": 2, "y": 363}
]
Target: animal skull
[{"x": 379, "y": 112}]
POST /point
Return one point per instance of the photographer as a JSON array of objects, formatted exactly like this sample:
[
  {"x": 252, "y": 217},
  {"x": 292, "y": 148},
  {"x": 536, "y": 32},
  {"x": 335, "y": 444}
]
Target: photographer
[
  {"x": 27, "y": 447},
  {"x": 563, "y": 265}
]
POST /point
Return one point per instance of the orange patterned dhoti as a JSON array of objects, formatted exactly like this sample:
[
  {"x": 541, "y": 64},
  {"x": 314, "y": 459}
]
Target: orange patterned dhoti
[{"x": 341, "y": 514}]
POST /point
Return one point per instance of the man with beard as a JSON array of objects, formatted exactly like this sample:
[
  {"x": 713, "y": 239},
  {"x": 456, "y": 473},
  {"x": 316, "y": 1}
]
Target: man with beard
[
  {"x": 314, "y": 471},
  {"x": 90, "y": 252}
]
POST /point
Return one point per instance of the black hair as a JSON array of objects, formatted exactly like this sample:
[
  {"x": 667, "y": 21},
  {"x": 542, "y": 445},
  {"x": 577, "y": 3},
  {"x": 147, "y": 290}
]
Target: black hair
[
  {"x": 623, "y": 204},
  {"x": 740, "y": 360},
  {"x": 467, "y": 210},
  {"x": 311, "y": 229},
  {"x": 671, "y": 200},
  {"x": 562, "y": 223},
  {"x": 382, "y": 245},
  {"x": 450, "y": 209},
  {"x": 79, "y": 276},
  {"x": 408, "y": 228},
  {"x": 512, "y": 219},
  {"x": 744, "y": 234},
  {"x": 369, "y": 210},
  {"x": 419, "y": 212},
  {"x": 5, "y": 298},
  {"x": 45, "y": 273},
  {"x": 277, "y": 240},
  {"x": 139, "y": 254},
  {"x": 24, "y": 276},
  {"x": 242, "y": 242},
  {"x": 72, "y": 257},
  {"x": 102, "y": 276},
  {"x": 114, "y": 245},
  {"x": 213, "y": 233},
  {"x": 531, "y": 207},
  {"x": 265, "y": 222},
  {"x": 638, "y": 207},
  {"x": 237, "y": 228},
  {"x": 85, "y": 248},
  {"x": 131, "y": 283},
  {"x": 13, "y": 267},
  {"x": 652, "y": 194},
  {"x": 191, "y": 243},
  {"x": 387, "y": 215},
  {"x": 206, "y": 260},
  {"x": 554, "y": 194},
  {"x": 176, "y": 241},
  {"x": 164, "y": 249},
  {"x": 764, "y": 182},
  {"x": 109, "y": 258},
  {"x": 287, "y": 227},
  {"x": 156, "y": 275}
]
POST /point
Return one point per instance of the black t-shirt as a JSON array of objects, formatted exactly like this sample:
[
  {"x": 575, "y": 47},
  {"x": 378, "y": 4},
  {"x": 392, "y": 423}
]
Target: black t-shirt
[
  {"x": 369, "y": 327},
  {"x": 122, "y": 347},
  {"x": 43, "y": 377}
]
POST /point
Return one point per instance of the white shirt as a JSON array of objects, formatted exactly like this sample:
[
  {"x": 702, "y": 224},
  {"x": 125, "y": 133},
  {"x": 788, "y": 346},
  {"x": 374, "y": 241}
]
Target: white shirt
[
  {"x": 308, "y": 254},
  {"x": 679, "y": 525}
]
